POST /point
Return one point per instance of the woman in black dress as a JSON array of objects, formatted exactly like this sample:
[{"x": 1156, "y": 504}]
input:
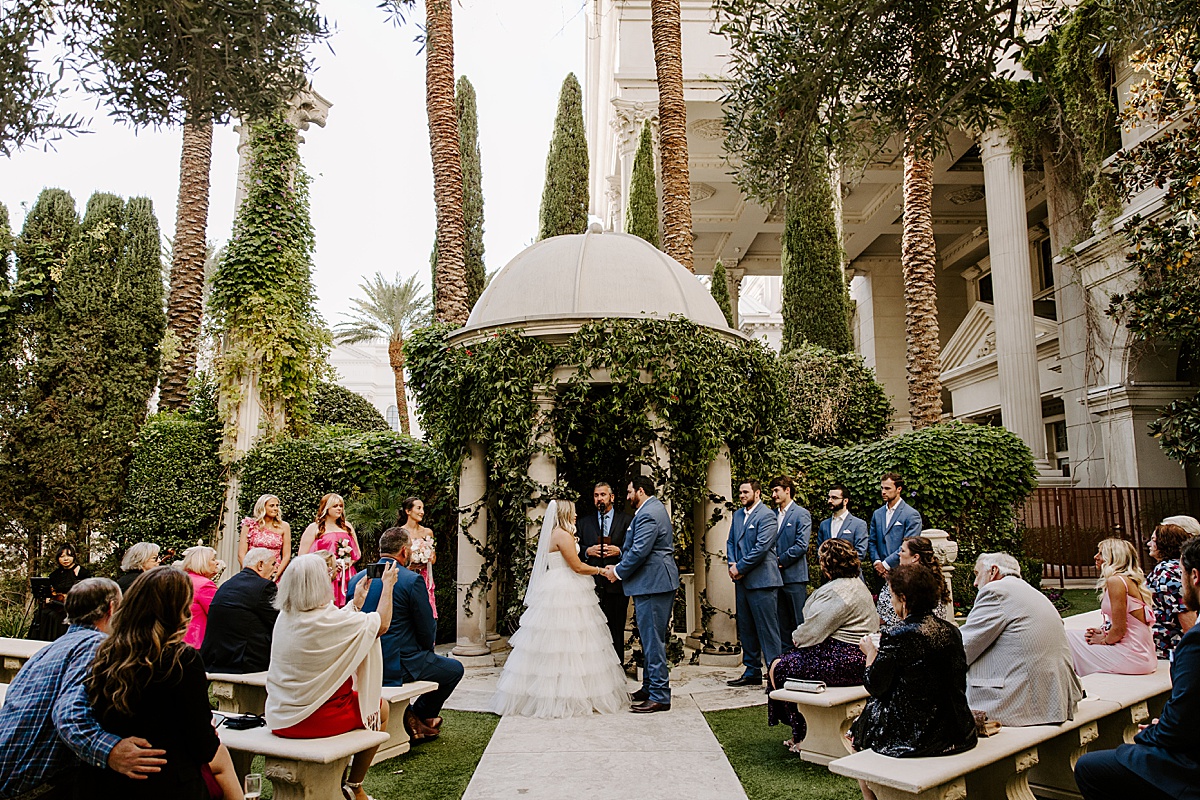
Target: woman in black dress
[
  {"x": 138, "y": 558},
  {"x": 51, "y": 621}
]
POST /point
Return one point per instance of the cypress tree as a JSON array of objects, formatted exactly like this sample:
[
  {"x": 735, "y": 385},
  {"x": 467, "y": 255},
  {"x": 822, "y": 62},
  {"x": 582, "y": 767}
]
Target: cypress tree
[
  {"x": 720, "y": 292},
  {"x": 565, "y": 196},
  {"x": 641, "y": 215},
  {"x": 472, "y": 170},
  {"x": 816, "y": 302},
  {"x": 5, "y": 255}
]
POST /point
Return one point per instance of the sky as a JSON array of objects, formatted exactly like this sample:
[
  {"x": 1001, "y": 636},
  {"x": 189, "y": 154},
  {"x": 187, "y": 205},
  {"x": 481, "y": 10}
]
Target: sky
[{"x": 372, "y": 189}]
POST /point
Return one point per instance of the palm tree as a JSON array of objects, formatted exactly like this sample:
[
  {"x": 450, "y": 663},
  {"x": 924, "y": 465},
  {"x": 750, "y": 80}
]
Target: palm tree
[
  {"x": 390, "y": 310},
  {"x": 672, "y": 131}
]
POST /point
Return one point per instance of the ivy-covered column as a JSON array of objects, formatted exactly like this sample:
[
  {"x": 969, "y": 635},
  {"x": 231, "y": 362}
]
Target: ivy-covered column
[
  {"x": 543, "y": 466},
  {"x": 472, "y": 538},
  {"x": 718, "y": 608}
]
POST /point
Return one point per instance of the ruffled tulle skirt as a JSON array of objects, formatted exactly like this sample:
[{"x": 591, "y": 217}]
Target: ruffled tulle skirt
[{"x": 562, "y": 662}]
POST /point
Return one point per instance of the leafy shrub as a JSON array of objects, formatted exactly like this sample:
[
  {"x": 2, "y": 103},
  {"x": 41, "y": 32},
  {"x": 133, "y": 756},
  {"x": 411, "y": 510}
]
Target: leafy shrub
[
  {"x": 832, "y": 399},
  {"x": 337, "y": 405}
]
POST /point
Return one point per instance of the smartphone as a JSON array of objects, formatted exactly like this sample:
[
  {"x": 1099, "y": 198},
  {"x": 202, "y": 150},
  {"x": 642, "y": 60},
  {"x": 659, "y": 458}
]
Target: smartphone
[{"x": 376, "y": 570}]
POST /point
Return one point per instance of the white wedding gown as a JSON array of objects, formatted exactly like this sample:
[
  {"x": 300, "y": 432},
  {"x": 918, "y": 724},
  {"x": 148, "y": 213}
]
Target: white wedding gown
[{"x": 562, "y": 662}]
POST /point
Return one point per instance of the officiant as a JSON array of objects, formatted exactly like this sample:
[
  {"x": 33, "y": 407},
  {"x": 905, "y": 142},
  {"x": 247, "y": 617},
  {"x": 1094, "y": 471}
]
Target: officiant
[{"x": 601, "y": 535}]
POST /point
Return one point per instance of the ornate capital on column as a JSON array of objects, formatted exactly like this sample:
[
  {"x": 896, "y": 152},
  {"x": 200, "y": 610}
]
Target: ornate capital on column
[
  {"x": 735, "y": 275},
  {"x": 994, "y": 143},
  {"x": 628, "y": 117}
]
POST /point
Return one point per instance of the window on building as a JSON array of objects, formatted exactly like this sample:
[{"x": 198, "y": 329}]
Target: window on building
[{"x": 393, "y": 418}]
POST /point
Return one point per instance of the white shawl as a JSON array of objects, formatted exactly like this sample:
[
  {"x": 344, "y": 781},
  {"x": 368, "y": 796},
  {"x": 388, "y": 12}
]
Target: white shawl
[{"x": 312, "y": 654}]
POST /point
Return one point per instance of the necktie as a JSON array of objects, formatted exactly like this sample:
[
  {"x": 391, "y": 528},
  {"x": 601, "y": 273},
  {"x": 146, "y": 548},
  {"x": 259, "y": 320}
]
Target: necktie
[{"x": 604, "y": 524}]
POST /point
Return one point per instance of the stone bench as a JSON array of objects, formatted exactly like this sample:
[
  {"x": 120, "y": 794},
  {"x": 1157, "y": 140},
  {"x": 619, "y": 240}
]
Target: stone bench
[
  {"x": 3, "y": 690},
  {"x": 1081, "y": 622},
  {"x": 239, "y": 693},
  {"x": 301, "y": 769},
  {"x": 1141, "y": 698},
  {"x": 398, "y": 699},
  {"x": 828, "y": 715},
  {"x": 15, "y": 652}
]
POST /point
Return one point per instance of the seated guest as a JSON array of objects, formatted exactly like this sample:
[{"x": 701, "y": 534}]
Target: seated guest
[
  {"x": 1019, "y": 663},
  {"x": 1189, "y": 524},
  {"x": 1164, "y": 759},
  {"x": 49, "y": 621},
  {"x": 47, "y": 729},
  {"x": 326, "y": 666},
  {"x": 916, "y": 550},
  {"x": 836, "y": 618},
  {"x": 138, "y": 558},
  {"x": 1172, "y": 619},
  {"x": 202, "y": 567},
  {"x": 241, "y": 617},
  {"x": 408, "y": 644},
  {"x": 147, "y": 682},
  {"x": 917, "y": 677},
  {"x": 1124, "y": 645}
]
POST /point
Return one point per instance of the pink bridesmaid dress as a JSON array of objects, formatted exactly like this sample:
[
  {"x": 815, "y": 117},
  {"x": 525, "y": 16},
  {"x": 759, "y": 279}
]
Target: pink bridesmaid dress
[
  {"x": 333, "y": 541},
  {"x": 1133, "y": 655}
]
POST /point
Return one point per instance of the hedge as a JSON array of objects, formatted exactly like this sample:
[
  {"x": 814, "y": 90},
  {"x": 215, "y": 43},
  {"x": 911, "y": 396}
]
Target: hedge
[
  {"x": 831, "y": 398},
  {"x": 336, "y": 405}
]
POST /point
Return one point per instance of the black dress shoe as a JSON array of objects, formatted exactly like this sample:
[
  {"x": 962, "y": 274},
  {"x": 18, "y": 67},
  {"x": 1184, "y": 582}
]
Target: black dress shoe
[
  {"x": 640, "y": 696},
  {"x": 746, "y": 680},
  {"x": 649, "y": 707}
]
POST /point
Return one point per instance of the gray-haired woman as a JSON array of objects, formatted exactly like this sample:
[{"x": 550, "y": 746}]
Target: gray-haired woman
[{"x": 138, "y": 558}]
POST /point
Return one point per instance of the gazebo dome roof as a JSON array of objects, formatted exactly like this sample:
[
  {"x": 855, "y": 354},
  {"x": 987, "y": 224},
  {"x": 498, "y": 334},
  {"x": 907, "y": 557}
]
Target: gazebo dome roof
[{"x": 583, "y": 277}]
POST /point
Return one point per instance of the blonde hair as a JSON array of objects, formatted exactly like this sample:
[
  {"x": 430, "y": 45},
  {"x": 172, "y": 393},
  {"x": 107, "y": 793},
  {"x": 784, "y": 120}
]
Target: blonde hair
[
  {"x": 200, "y": 560},
  {"x": 564, "y": 510},
  {"x": 260, "y": 507},
  {"x": 305, "y": 585},
  {"x": 323, "y": 509},
  {"x": 1120, "y": 559}
]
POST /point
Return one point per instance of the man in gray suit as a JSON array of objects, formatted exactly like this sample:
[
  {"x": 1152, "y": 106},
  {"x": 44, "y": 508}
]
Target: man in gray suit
[
  {"x": 756, "y": 581},
  {"x": 648, "y": 574},
  {"x": 1019, "y": 663}
]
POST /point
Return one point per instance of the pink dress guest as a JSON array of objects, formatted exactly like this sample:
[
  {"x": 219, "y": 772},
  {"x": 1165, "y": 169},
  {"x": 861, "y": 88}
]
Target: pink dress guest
[
  {"x": 1133, "y": 655},
  {"x": 203, "y": 590},
  {"x": 333, "y": 541},
  {"x": 258, "y": 536}
]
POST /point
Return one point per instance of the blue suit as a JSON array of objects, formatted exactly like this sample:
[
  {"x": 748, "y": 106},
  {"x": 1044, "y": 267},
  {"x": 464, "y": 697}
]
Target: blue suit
[
  {"x": 1164, "y": 759},
  {"x": 791, "y": 545},
  {"x": 751, "y": 548},
  {"x": 408, "y": 642},
  {"x": 854, "y": 530},
  {"x": 885, "y": 539},
  {"x": 649, "y": 575}
]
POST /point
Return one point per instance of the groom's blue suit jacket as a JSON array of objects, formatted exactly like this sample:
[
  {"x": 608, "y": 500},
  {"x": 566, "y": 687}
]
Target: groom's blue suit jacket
[{"x": 648, "y": 560}]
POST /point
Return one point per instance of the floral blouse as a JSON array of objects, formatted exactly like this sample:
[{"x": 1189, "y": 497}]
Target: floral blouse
[{"x": 1166, "y": 583}]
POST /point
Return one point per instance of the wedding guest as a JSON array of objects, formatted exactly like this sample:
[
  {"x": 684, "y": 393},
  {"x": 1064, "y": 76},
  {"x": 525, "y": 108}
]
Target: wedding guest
[
  {"x": 843, "y": 524},
  {"x": 408, "y": 641},
  {"x": 202, "y": 567},
  {"x": 891, "y": 524},
  {"x": 326, "y": 665},
  {"x": 1164, "y": 759},
  {"x": 50, "y": 621},
  {"x": 756, "y": 581},
  {"x": 836, "y": 618},
  {"x": 1172, "y": 618},
  {"x": 1125, "y": 644},
  {"x": 916, "y": 550},
  {"x": 242, "y": 616},
  {"x": 422, "y": 541},
  {"x": 138, "y": 558},
  {"x": 266, "y": 529},
  {"x": 146, "y": 681},
  {"x": 1019, "y": 663},
  {"x": 794, "y": 525},
  {"x": 47, "y": 728},
  {"x": 333, "y": 534},
  {"x": 1189, "y": 524},
  {"x": 602, "y": 531}
]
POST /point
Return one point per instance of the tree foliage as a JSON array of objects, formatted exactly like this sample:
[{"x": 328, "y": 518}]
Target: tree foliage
[
  {"x": 564, "y": 206},
  {"x": 831, "y": 399},
  {"x": 28, "y": 91},
  {"x": 472, "y": 170},
  {"x": 336, "y": 405},
  {"x": 720, "y": 292},
  {"x": 641, "y": 215}
]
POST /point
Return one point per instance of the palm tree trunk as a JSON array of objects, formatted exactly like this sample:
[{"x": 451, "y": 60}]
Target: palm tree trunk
[
  {"x": 672, "y": 122},
  {"x": 450, "y": 272},
  {"x": 396, "y": 358},
  {"x": 918, "y": 258},
  {"x": 185, "y": 303}
]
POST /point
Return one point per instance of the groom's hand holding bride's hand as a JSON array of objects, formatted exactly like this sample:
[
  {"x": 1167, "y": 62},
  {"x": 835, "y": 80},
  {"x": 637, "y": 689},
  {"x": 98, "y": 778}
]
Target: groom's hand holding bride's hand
[{"x": 610, "y": 572}]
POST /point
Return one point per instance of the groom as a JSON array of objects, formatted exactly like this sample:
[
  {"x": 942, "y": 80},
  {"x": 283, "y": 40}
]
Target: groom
[{"x": 648, "y": 574}]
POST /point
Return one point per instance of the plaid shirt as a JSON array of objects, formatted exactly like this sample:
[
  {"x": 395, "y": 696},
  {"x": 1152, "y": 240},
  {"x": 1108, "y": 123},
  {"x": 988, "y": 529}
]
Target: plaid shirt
[{"x": 46, "y": 720}]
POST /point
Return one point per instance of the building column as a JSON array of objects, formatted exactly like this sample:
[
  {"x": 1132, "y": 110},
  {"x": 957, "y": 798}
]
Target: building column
[
  {"x": 735, "y": 275},
  {"x": 1012, "y": 290},
  {"x": 472, "y": 611},
  {"x": 718, "y": 586}
]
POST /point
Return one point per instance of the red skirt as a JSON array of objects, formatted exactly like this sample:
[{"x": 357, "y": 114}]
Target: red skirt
[{"x": 338, "y": 714}]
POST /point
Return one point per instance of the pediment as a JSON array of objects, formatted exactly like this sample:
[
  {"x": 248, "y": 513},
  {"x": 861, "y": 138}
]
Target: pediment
[{"x": 975, "y": 339}]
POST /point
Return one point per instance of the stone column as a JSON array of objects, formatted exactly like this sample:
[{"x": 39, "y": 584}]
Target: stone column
[
  {"x": 627, "y": 121},
  {"x": 472, "y": 613},
  {"x": 1012, "y": 288},
  {"x": 735, "y": 274},
  {"x": 699, "y": 540},
  {"x": 543, "y": 467},
  {"x": 304, "y": 109},
  {"x": 718, "y": 586},
  {"x": 946, "y": 550}
]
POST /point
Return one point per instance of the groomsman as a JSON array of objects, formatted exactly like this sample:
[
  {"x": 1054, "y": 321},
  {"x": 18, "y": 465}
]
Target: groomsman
[
  {"x": 755, "y": 572},
  {"x": 605, "y": 523},
  {"x": 791, "y": 545},
  {"x": 843, "y": 524},
  {"x": 891, "y": 524}
]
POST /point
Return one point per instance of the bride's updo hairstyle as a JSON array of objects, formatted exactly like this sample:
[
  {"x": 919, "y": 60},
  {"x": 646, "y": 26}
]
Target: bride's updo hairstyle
[{"x": 563, "y": 518}]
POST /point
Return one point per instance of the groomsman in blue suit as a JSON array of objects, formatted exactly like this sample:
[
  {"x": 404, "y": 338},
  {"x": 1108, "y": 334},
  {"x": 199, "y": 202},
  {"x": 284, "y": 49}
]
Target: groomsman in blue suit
[
  {"x": 755, "y": 572},
  {"x": 891, "y": 524},
  {"x": 843, "y": 524},
  {"x": 791, "y": 545}
]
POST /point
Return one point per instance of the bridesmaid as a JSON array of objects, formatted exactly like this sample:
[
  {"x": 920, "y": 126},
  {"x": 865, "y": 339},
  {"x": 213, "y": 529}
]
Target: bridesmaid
[
  {"x": 414, "y": 508},
  {"x": 331, "y": 532},
  {"x": 266, "y": 529},
  {"x": 1125, "y": 644}
]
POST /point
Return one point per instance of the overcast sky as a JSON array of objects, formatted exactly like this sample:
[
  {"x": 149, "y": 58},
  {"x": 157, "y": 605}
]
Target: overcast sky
[{"x": 372, "y": 190}]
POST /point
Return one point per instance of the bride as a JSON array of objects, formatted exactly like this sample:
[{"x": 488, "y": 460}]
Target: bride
[{"x": 562, "y": 662}]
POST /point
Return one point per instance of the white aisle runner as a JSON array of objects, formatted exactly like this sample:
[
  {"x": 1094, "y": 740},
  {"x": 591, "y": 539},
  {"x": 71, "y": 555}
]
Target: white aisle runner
[{"x": 670, "y": 755}]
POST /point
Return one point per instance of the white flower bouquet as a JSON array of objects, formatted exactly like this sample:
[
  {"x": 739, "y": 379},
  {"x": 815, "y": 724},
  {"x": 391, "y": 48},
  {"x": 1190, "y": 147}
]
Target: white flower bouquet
[{"x": 421, "y": 550}]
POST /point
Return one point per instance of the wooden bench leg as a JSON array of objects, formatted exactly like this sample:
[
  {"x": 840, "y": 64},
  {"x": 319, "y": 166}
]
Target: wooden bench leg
[
  {"x": 1054, "y": 775},
  {"x": 826, "y": 737},
  {"x": 305, "y": 780},
  {"x": 955, "y": 790},
  {"x": 398, "y": 743},
  {"x": 1006, "y": 779}
]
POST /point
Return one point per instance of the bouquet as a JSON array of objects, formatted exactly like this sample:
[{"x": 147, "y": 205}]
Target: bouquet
[
  {"x": 421, "y": 550},
  {"x": 344, "y": 555}
]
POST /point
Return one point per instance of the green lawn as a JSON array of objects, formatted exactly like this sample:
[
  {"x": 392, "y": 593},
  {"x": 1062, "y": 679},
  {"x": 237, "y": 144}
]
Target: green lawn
[
  {"x": 765, "y": 767},
  {"x": 1081, "y": 600}
]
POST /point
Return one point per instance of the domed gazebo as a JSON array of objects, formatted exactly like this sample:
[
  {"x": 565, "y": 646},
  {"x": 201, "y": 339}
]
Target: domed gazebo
[{"x": 550, "y": 291}]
